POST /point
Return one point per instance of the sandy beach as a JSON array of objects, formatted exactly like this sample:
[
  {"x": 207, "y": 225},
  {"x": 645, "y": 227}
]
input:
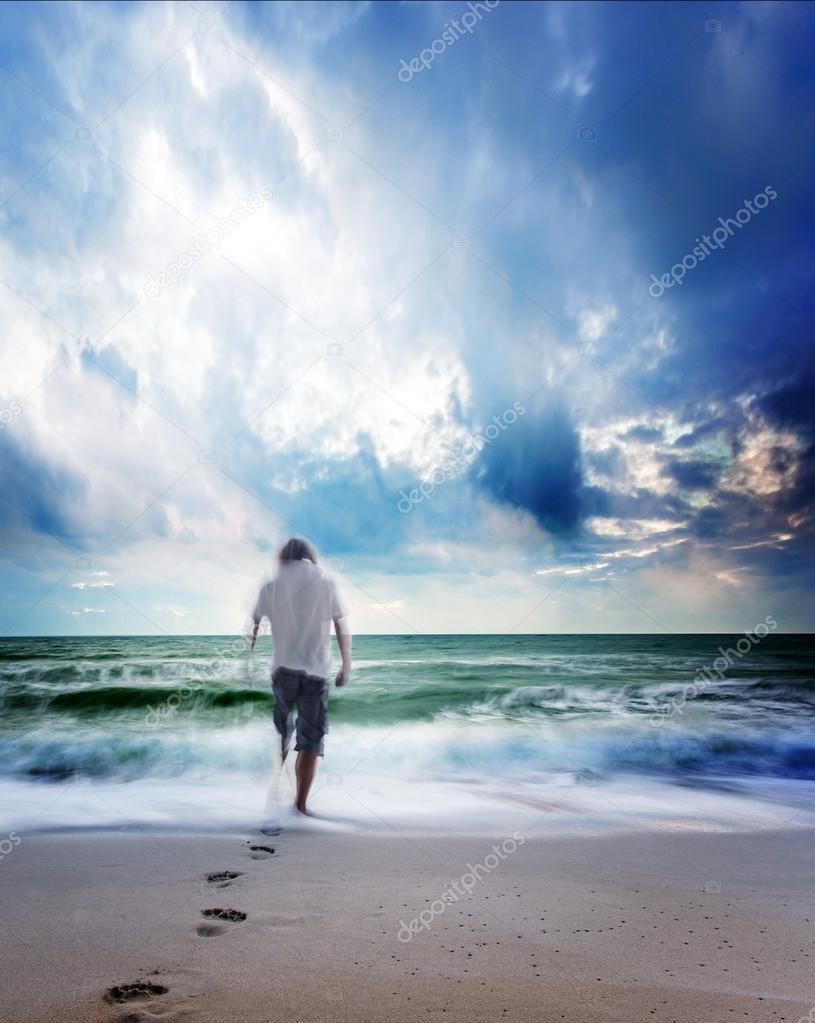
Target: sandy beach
[{"x": 667, "y": 925}]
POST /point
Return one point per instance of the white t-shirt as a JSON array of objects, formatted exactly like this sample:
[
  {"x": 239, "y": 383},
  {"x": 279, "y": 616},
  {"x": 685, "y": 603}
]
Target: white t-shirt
[{"x": 300, "y": 602}]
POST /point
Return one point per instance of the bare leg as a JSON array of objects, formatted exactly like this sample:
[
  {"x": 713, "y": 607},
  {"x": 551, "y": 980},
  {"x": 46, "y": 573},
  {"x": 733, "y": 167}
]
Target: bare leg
[{"x": 305, "y": 768}]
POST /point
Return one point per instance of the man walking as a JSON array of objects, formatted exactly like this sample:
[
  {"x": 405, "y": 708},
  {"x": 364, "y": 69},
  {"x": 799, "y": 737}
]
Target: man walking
[{"x": 300, "y": 602}]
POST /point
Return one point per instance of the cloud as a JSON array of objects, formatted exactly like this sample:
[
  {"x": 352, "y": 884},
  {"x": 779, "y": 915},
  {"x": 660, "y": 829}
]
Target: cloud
[
  {"x": 38, "y": 495},
  {"x": 691, "y": 474},
  {"x": 178, "y": 612},
  {"x": 98, "y": 582},
  {"x": 338, "y": 345},
  {"x": 535, "y": 465}
]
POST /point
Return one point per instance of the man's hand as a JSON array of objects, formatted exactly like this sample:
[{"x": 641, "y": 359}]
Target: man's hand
[{"x": 344, "y": 643}]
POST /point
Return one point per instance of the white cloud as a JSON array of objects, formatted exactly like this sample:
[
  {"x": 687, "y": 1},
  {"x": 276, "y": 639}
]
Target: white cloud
[
  {"x": 594, "y": 566},
  {"x": 178, "y": 612},
  {"x": 93, "y": 584},
  {"x": 631, "y": 529},
  {"x": 576, "y": 79}
]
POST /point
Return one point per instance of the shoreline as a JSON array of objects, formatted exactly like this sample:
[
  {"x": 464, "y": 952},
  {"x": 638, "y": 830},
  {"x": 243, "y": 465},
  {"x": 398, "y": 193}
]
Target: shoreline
[
  {"x": 668, "y": 925},
  {"x": 365, "y": 804}
]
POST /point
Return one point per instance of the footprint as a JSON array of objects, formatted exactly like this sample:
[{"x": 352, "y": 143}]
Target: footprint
[
  {"x": 260, "y": 852},
  {"x": 131, "y": 992},
  {"x": 232, "y": 916},
  {"x": 223, "y": 878}
]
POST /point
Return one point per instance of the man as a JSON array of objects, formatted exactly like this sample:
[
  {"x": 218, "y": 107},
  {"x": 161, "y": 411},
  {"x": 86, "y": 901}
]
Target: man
[{"x": 300, "y": 603}]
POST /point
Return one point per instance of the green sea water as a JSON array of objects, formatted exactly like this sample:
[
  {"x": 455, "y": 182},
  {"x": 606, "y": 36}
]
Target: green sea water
[{"x": 500, "y": 710}]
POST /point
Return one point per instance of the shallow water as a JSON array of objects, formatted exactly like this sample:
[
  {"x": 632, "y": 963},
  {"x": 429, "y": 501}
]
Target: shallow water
[{"x": 179, "y": 728}]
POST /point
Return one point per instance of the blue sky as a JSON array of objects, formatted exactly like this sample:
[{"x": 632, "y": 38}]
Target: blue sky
[{"x": 255, "y": 283}]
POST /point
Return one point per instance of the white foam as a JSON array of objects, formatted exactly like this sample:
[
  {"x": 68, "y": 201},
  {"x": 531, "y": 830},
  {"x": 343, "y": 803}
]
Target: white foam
[{"x": 364, "y": 803}]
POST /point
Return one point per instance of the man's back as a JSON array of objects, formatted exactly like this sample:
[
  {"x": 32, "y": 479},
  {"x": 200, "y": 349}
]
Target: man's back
[{"x": 300, "y": 603}]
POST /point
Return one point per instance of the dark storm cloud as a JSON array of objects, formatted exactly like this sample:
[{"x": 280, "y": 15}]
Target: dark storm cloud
[
  {"x": 35, "y": 495},
  {"x": 535, "y": 465},
  {"x": 692, "y": 475}
]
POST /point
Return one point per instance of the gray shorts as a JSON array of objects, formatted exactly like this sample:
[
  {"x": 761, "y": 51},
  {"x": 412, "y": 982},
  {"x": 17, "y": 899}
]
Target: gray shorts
[{"x": 309, "y": 694}]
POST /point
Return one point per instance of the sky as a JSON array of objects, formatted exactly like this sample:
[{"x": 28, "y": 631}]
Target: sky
[{"x": 506, "y": 307}]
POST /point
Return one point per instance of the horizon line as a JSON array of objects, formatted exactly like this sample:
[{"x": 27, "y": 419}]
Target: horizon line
[{"x": 238, "y": 635}]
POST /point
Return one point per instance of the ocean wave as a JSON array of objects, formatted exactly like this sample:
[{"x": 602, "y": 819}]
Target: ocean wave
[
  {"x": 377, "y": 697},
  {"x": 507, "y": 708},
  {"x": 442, "y": 750}
]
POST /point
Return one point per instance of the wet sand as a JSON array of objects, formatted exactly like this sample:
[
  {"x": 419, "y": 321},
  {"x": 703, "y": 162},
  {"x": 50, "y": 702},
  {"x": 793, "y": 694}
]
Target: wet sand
[{"x": 670, "y": 926}]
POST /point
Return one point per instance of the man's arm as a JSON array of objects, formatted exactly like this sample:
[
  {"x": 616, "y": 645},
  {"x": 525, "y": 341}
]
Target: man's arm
[
  {"x": 260, "y": 612},
  {"x": 344, "y": 643}
]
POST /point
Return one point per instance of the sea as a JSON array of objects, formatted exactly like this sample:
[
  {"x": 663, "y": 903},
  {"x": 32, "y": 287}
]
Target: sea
[{"x": 549, "y": 734}]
